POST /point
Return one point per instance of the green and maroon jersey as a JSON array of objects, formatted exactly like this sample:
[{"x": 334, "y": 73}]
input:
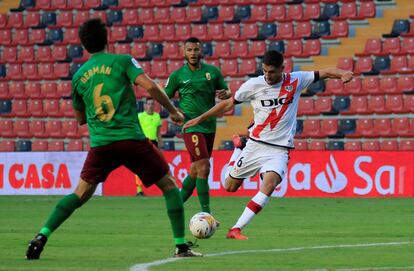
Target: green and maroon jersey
[
  {"x": 102, "y": 88},
  {"x": 197, "y": 91}
]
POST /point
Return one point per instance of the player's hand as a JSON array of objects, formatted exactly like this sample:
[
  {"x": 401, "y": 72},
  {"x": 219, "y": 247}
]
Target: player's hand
[
  {"x": 192, "y": 122},
  {"x": 177, "y": 117},
  {"x": 223, "y": 94},
  {"x": 347, "y": 76}
]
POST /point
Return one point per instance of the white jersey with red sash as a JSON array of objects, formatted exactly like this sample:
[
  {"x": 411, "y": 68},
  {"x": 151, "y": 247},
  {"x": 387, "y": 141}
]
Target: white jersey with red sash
[{"x": 274, "y": 106}]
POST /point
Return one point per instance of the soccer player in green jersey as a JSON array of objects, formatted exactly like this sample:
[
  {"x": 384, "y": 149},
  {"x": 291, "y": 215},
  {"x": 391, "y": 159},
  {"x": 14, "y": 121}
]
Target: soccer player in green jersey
[
  {"x": 197, "y": 84},
  {"x": 103, "y": 98}
]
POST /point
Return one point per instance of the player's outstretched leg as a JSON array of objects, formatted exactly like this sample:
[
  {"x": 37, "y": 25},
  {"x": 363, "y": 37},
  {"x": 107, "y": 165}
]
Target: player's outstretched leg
[{"x": 187, "y": 189}]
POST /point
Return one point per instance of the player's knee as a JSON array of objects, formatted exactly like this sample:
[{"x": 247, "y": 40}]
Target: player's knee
[{"x": 203, "y": 168}]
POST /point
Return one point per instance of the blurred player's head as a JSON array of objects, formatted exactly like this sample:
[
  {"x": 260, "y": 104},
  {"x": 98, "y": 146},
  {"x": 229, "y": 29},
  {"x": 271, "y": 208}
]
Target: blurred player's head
[
  {"x": 192, "y": 51},
  {"x": 93, "y": 35},
  {"x": 272, "y": 66},
  {"x": 149, "y": 105}
]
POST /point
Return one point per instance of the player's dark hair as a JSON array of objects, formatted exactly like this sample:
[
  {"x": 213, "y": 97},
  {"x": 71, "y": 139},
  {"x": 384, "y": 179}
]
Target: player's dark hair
[
  {"x": 273, "y": 58},
  {"x": 192, "y": 40},
  {"x": 93, "y": 35},
  {"x": 148, "y": 99}
]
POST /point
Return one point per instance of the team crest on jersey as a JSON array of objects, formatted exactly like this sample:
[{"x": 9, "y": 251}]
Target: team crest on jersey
[
  {"x": 289, "y": 88},
  {"x": 208, "y": 76}
]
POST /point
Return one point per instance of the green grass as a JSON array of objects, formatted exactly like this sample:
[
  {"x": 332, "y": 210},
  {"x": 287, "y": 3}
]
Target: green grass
[{"x": 114, "y": 233}]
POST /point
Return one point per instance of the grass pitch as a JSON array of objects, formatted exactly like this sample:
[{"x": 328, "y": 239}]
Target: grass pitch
[{"x": 114, "y": 233}]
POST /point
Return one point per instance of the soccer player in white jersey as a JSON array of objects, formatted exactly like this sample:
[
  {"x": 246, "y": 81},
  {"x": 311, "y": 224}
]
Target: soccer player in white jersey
[{"x": 274, "y": 97}]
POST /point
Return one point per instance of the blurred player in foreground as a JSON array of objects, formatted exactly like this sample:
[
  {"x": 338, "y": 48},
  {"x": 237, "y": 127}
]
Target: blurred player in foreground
[{"x": 274, "y": 97}]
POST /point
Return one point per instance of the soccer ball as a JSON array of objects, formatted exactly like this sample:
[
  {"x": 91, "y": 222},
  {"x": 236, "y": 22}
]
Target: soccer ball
[{"x": 203, "y": 225}]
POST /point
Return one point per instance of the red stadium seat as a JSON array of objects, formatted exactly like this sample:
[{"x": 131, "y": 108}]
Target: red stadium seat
[
  {"x": 167, "y": 31},
  {"x": 402, "y": 127},
  {"x": 376, "y": 104},
  {"x": 75, "y": 4},
  {"x": 59, "y": 53},
  {"x": 294, "y": 12},
  {"x": 99, "y": 14},
  {"x": 363, "y": 64},
  {"x": 80, "y": 17},
  {"x": 232, "y": 31},
  {"x": 151, "y": 33},
  {"x": 285, "y": 30},
  {"x": 364, "y": 128},
  {"x": 406, "y": 145},
  {"x": 277, "y": 12},
  {"x": 180, "y": 15},
  {"x": 6, "y": 128},
  {"x": 46, "y": 71},
  {"x": 7, "y": 146},
  {"x": 388, "y": 85},
  {"x": 367, "y": 9},
  {"x": 83, "y": 130},
  {"x": 20, "y": 37},
  {"x": 348, "y": 10},
  {"x": 258, "y": 13},
  {"x": 3, "y": 20},
  {"x": 234, "y": 85},
  {"x": 32, "y": 89},
  {"x": 61, "y": 70},
  {"x": 37, "y": 36},
  {"x": 65, "y": 18},
  {"x": 371, "y": 85},
  {"x": 146, "y": 16},
  {"x": 174, "y": 65},
  {"x": 5, "y": 36},
  {"x": 373, "y": 46},
  {"x": 139, "y": 50},
  {"x": 118, "y": 33},
  {"x": 9, "y": 54},
  {"x": 49, "y": 90},
  {"x": 20, "y": 108},
  {"x": 316, "y": 145},
  {"x": 303, "y": 29},
  {"x": 58, "y": 4},
  {"x": 339, "y": 28},
  {"x": 257, "y": 48},
  {"x": 64, "y": 89},
  {"x": 352, "y": 146},
  {"x": 75, "y": 145},
  {"x": 21, "y": 129},
  {"x": 301, "y": 145},
  {"x": 4, "y": 91},
  {"x": 54, "y": 129},
  {"x": 51, "y": 108},
  {"x": 399, "y": 64},
  {"x": 391, "y": 46},
  {"x": 159, "y": 69},
  {"x": 32, "y": 19},
  {"x": 353, "y": 87},
  {"x": 306, "y": 107},
  {"x": 312, "y": 47},
  {"x": 294, "y": 48},
  {"x": 333, "y": 87},
  {"x": 56, "y": 146},
  {"x": 194, "y": 14},
  {"x": 370, "y": 146},
  {"x": 229, "y": 67},
  {"x": 183, "y": 31},
  {"x": 240, "y": 49},
  {"x": 247, "y": 66},
  {"x": 226, "y": 13},
  {"x": 395, "y": 104},
  {"x": 215, "y": 32},
  {"x": 323, "y": 105},
  {"x": 26, "y": 54},
  {"x": 123, "y": 48},
  {"x": 30, "y": 71},
  {"x": 200, "y": 31},
  {"x": 14, "y": 72},
  {"x": 329, "y": 127},
  {"x": 162, "y": 15},
  {"x": 66, "y": 108},
  {"x": 130, "y": 17},
  {"x": 359, "y": 105},
  {"x": 345, "y": 63},
  {"x": 249, "y": 31},
  {"x": 37, "y": 129},
  {"x": 409, "y": 103},
  {"x": 222, "y": 50},
  {"x": 383, "y": 127},
  {"x": 39, "y": 145},
  {"x": 405, "y": 83},
  {"x": 312, "y": 11},
  {"x": 407, "y": 45},
  {"x": 71, "y": 36},
  {"x": 35, "y": 107},
  {"x": 312, "y": 128},
  {"x": 15, "y": 20}
]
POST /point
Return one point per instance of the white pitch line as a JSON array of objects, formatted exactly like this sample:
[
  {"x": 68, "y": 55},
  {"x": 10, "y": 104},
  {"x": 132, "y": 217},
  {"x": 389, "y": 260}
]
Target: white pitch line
[
  {"x": 368, "y": 268},
  {"x": 146, "y": 266}
]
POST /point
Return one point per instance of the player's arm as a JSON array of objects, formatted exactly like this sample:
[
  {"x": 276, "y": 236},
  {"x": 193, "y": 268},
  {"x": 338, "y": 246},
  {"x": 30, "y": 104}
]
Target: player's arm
[
  {"x": 217, "y": 110},
  {"x": 223, "y": 92},
  {"x": 159, "y": 95},
  {"x": 159, "y": 137},
  {"x": 80, "y": 116},
  {"x": 334, "y": 73}
]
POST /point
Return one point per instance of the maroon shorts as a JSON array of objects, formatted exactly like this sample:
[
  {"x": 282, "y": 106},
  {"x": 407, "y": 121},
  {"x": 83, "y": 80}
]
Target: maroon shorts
[
  {"x": 199, "y": 145},
  {"x": 139, "y": 156}
]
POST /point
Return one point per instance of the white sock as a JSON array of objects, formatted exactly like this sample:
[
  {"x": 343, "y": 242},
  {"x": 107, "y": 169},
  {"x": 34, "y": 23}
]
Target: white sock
[
  {"x": 232, "y": 160},
  {"x": 254, "y": 206}
]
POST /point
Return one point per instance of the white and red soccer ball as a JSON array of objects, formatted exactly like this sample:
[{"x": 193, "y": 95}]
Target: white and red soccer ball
[{"x": 203, "y": 225}]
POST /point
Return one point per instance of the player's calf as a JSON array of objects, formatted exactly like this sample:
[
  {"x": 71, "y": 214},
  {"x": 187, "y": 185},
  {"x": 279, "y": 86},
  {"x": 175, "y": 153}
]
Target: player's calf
[{"x": 36, "y": 247}]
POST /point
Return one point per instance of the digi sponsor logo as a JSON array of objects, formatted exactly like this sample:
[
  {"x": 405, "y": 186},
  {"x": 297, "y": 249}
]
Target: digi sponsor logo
[{"x": 276, "y": 102}]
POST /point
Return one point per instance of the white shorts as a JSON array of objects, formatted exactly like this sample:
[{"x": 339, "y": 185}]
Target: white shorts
[{"x": 257, "y": 157}]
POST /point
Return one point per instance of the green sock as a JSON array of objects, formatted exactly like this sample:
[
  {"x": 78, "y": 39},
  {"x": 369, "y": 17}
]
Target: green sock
[
  {"x": 203, "y": 194},
  {"x": 175, "y": 211},
  {"x": 188, "y": 187},
  {"x": 62, "y": 211}
]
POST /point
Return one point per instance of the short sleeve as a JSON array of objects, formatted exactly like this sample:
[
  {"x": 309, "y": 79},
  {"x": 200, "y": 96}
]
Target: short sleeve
[
  {"x": 305, "y": 79},
  {"x": 171, "y": 85},
  {"x": 220, "y": 83},
  {"x": 133, "y": 69},
  {"x": 77, "y": 101},
  {"x": 244, "y": 93}
]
